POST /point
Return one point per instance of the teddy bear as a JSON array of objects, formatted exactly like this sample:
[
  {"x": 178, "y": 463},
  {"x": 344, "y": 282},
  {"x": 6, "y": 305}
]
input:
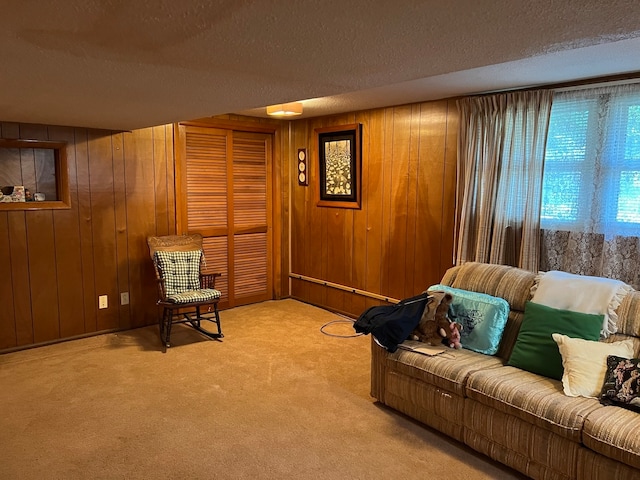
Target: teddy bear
[{"x": 435, "y": 327}]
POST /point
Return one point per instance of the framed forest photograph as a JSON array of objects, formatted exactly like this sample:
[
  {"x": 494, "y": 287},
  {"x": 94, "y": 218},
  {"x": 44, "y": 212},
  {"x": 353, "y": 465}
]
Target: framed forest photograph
[{"x": 339, "y": 166}]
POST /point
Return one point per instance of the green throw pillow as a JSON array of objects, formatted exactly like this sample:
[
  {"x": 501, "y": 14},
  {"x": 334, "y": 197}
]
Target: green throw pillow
[{"x": 536, "y": 351}]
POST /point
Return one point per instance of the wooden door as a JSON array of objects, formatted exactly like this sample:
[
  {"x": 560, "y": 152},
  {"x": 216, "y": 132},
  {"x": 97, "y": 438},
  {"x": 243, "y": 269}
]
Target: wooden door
[{"x": 224, "y": 193}]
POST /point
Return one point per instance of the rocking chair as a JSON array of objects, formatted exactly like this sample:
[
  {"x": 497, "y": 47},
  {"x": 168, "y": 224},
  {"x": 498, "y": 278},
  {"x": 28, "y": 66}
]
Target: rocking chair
[{"x": 184, "y": 291}]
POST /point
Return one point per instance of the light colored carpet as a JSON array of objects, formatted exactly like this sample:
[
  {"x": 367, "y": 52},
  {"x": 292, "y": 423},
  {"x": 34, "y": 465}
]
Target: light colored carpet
[{"x": 275, "y": 399}]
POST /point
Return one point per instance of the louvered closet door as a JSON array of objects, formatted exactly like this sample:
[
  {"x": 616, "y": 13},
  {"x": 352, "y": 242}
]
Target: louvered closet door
[{"x": 226, "y": 191}]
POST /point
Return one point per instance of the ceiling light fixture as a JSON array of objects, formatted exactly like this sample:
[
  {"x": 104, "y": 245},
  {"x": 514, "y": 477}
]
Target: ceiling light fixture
[{"x": 285, "y": 109}]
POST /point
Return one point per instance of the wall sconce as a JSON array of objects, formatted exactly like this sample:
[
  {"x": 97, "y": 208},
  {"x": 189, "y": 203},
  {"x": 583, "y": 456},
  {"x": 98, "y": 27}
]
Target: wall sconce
[{"x": 285, "y": 109}]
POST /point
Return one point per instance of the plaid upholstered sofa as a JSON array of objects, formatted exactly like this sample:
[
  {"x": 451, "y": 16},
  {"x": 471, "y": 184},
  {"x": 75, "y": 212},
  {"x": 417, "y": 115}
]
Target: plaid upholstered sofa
[{"x": 518, "y": 418}]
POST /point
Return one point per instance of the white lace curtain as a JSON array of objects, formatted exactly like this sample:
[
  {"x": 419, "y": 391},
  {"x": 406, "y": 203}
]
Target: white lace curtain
[
  {"x": 591, "y": 204},
  {"x": 500, "y": 163}
]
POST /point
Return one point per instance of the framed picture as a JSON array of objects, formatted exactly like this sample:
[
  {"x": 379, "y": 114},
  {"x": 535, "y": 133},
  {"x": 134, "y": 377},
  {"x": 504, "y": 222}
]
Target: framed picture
[{"x": 340, "y": 164}]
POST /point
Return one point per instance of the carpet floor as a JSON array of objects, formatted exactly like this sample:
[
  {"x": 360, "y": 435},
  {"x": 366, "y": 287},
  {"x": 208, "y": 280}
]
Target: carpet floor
[{"x": 275, "y": 399}]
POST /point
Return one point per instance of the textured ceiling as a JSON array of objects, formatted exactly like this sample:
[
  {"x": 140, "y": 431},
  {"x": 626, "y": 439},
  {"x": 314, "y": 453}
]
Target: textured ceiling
[{"x": 124, "y": 64}]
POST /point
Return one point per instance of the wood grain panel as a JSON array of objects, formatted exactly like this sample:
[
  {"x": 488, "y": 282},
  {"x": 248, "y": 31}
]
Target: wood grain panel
[
  {"x": 394, "y": 245},
  {"x": 375, "y": 204},
  {"x": 360, "y": 235},
  {"x": 7, "y": 319},
  {"x": 300, "y": 197},
  {"x": 431, "y": 206},
  {"x": 59, "y": 261},
  {"x": 141, "y": 223},
  {"x": 104, "y": 225},
  {"x": 89, "y": 297},
  {"x": 17, "y": 228},
  {"x": 449, "y": 213},
  {"x": 42, "y": 276},
  {"x": 66, "y": 225},
  {"x": 400, "y": 152},
  {"x": 120, "y": 212}
]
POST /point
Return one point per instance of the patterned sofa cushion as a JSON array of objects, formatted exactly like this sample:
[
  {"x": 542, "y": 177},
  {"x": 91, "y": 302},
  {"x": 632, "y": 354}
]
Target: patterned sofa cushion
[
  {"x": 613, "y": 432},
  {"x": 531, "y": 397},
  {"x": 448, "y": 371}
]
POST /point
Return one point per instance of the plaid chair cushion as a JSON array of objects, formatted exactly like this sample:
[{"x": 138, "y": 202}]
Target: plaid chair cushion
[
  {"x": 179, "y": 270},
  {"x": 195, "y": 296}
]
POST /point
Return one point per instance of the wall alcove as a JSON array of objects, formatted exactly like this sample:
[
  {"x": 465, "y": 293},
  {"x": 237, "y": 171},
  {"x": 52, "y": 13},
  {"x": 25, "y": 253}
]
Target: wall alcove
[{"x": 38, "y": 166}]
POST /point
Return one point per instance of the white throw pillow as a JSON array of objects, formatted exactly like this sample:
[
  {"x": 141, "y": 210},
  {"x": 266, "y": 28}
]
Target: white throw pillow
[{"x": 585, "y": 363}]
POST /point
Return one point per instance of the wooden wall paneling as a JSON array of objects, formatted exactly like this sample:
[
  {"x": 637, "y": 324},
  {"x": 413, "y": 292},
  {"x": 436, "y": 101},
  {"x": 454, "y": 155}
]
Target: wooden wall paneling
[
  {"x": 171, "y": 178},
  {"x": 66, "y": 227},
  {"x": 43, "y": 276},
  {"x": 7, "y": 319},
  {"x": 348, "y": 235},
  {"x": 412, "y": 203},
  {"x": 314, "y": 222},
  {"x": 8, "y": 337},
  {"x": 90, "y": 298},
  {"x": 280, "y": 216},
  {"x": 160, "y": 180},
  {"x": 41, "y": 253},
  {"x": 120, "y": 212},
  {"x": 10, "y": 130},
  {"x": 101, "y": 182},
  {"x": 358, "y": 277},
  {"x": 17, "y": 227},
  {"x": 397, "y": 252},
  {"x": 333, "y": 256},
  {"x": 141, "y": 223},
  {"x": 299, "y": 205},
  {"x": 449, "y": 213},
  {"x": 430, "y": 193},
  {"x": 375, "y": 198},
  {"x": 387, "y": 199}
]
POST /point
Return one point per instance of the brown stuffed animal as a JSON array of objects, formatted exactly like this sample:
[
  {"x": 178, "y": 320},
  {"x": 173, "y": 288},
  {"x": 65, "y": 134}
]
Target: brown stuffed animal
[{"x": 434, "y": 327}]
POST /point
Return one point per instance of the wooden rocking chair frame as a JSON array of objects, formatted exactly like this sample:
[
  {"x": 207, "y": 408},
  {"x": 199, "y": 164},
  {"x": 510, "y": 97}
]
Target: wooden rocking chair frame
[{"x": 190, "y": 313}]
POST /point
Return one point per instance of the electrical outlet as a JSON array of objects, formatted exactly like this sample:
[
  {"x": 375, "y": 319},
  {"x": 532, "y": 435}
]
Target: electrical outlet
[
  {"x": 124, "y": 298},
  {"x": 103, "y": 302}
]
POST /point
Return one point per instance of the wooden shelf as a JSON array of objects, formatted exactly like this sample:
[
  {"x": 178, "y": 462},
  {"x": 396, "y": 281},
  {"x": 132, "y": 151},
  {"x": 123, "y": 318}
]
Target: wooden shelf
[{"x": 56, "y": 205}]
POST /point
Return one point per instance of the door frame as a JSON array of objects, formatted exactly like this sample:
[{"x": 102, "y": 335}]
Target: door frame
[{"x": 279, "y": 195}]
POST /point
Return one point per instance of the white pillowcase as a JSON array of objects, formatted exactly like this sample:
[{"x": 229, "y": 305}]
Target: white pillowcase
[{"x": 585, "y": 363}]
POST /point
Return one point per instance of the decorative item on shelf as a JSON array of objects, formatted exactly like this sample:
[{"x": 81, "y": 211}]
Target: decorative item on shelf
[
  {"x": 303, "y": 174},
  {"x": 18, "y": 193},
  {"x": 8, "y": 190},
  {"x": 27, "y": 195},
  {"x": 39, "y": 197}
]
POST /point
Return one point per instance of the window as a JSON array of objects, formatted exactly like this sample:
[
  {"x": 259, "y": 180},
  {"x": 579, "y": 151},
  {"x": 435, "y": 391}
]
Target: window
[
  {"x": 592, "y": 162},
  {"x": 33, "y": 175}
]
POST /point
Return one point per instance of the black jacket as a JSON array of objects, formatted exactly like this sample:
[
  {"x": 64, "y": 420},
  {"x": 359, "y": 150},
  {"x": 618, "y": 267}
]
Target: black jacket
[{"x": 392, "y": 324}]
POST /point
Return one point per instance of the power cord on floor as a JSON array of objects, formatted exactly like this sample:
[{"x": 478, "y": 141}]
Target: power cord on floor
[{"x": 346, "y": 320}]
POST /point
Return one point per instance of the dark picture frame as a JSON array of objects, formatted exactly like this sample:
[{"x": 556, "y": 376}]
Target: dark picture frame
[{"x": 339, "y": 155}]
